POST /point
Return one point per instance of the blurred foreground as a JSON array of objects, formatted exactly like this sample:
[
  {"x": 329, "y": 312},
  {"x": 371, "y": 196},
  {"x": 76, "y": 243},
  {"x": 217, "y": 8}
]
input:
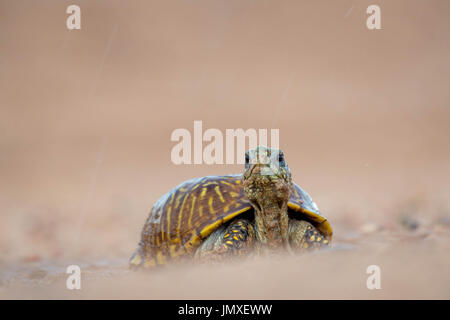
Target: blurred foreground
[{"x": 414, "y": 264}]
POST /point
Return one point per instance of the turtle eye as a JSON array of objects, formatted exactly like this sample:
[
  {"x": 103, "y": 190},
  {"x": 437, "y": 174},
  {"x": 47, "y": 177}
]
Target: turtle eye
[{"x": 281, "y": 161}]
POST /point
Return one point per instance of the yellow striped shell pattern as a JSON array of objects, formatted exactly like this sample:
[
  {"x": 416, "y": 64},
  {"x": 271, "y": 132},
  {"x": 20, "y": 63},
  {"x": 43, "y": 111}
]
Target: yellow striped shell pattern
[{"x": 190, "y": 212}]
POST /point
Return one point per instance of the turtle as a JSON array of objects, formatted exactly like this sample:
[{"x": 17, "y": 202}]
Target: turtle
[{"x": 220, "y": 217}]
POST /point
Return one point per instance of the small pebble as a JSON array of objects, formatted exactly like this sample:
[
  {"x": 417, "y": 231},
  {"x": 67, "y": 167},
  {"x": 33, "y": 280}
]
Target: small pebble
[{"x": 409, "y": 222}]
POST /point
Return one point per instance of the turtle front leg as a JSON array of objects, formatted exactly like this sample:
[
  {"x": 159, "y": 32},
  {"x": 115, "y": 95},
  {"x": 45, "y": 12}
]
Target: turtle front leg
[
  {"x": 303, "y": 236},
  {"x": 233, "y": 240}
]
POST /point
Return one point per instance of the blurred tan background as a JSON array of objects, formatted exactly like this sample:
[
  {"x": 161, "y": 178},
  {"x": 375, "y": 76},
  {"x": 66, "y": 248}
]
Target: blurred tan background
[{"x": 86, "y": 118}]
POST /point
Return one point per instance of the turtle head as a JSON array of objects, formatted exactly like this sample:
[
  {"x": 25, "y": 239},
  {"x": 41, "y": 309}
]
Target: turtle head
[{"x": 266, "y": 179}]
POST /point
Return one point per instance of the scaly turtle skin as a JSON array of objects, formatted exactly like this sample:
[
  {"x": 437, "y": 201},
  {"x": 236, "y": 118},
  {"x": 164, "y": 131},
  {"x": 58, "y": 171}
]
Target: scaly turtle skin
[{"x": 214, "y": 217}]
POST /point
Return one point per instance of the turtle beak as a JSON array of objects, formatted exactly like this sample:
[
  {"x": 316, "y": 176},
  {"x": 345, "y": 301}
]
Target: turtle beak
[
  {"x": 262, "y": 170},
  {"x": 265, "y": 169}
]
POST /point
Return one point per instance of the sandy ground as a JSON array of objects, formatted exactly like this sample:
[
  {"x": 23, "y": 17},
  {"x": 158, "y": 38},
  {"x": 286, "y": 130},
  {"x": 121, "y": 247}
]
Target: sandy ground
[{"x": 86, "y": 119}]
